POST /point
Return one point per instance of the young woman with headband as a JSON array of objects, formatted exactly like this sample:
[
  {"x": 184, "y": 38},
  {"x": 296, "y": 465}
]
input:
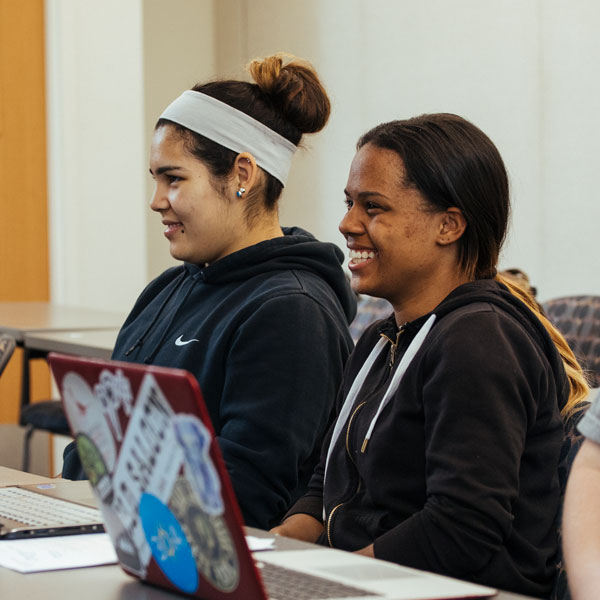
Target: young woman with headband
[
  {"x": 446, "y": 449},
  {"x": 259, "y": 314}
]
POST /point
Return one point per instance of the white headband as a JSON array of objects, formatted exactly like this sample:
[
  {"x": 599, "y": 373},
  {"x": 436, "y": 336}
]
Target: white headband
[{"x": 233, "y": 129}]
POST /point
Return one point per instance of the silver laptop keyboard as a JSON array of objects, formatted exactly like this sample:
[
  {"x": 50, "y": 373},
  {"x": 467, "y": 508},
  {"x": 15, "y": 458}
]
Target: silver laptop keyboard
[
  {"x": 37, "y": 510},
  {"x": 286, "y": 584}
]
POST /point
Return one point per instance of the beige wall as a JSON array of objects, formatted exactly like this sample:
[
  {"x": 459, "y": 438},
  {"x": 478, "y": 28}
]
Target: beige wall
[
  {"x": 311, "y": 29},
  {"x": 520, "y": 69},
  {"x": 96, "y": 152},
  {"x": 178, "y": 52}
]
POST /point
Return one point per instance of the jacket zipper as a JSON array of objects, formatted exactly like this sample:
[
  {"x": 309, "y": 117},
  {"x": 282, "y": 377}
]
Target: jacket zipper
[
  {"x": 329, "y": 523},
  {"x": 329, "y": 519},
  {"x": 394, "y": 344}
]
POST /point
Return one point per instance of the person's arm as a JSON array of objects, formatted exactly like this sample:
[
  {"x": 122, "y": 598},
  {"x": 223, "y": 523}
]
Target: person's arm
[
  {"x": 304, "y": 520},
  {"x": 300, "y": 527},
  {"x": 367, "y": 551},
  {"x": 283, "y": 370},
  {"x": 477, "y": 401},
  {"x": 581, "y": 523}
]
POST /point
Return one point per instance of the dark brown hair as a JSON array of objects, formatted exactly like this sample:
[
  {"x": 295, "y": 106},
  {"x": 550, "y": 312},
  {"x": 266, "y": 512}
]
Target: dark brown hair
[{"x": 287, "y": 97}]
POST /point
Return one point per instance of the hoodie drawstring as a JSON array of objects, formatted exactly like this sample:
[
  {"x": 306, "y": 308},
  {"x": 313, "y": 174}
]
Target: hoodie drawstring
[{"x": 358, "y": 382}]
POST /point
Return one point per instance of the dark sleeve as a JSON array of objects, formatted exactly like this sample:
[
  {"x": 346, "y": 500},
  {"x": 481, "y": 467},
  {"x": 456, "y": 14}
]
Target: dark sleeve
[
  {"x": 72, "y": 468},
  {"x": 282, "y": 373},
  {"x": 312, "y": 502},
  {"x": 477, "y": 402}
]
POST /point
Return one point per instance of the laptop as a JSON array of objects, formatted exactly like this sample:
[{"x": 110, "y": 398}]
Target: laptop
[
  {"x": 147, "y": 444},
  {"x": 48, "y": 509}
]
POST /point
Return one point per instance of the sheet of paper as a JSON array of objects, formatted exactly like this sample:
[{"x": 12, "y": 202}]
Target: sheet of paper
[
  {"x": 53, "y": 553},
  {"x": 74, "y": 551},
  {"x": 256, "y": 544}
]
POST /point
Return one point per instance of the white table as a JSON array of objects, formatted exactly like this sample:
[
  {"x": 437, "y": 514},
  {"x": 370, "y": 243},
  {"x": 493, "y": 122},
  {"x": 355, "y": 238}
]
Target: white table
[
  {"x": 14, "y": 477},
  {"x": 96, "y": 343},
  {"x": 21, "y": 318},
  {"x": 109, "y": 582}
]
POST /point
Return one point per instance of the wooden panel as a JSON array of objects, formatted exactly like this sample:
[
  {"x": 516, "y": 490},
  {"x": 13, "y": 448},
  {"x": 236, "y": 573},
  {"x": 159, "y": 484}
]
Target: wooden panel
[{"x": 23, "y": 204}]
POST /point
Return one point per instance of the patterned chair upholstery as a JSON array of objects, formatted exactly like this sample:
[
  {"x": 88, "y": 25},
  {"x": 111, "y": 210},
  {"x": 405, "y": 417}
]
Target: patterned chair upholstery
[
  {"x": 369, "y": 310},
  {"x": 578, "y": 319}
]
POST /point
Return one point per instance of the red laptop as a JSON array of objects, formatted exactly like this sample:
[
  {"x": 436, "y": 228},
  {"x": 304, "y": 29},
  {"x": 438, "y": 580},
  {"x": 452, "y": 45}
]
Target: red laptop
[{"x": 147, "y": 445}]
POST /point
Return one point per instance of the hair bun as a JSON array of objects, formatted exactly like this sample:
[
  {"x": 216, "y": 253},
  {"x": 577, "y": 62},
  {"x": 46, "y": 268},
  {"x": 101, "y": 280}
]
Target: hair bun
[{"x": 294, "y": 88}]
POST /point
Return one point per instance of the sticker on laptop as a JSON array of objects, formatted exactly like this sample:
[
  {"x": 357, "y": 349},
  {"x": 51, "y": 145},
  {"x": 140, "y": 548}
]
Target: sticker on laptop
[
  {"x": 169, "y": 545},
  {"x": 113, "y": 391},
  {"x": 93, "y": 464},
  {"x": 195, "y": 440},
  {"x": 86, "y": 415},
  {"x": 125, "y": 530},
  {"x": 209, "y": 538},
  {"x": 125, "y": 547},
  {"x": 150, "y": 460},
  {"x": 150, "y": 457}
]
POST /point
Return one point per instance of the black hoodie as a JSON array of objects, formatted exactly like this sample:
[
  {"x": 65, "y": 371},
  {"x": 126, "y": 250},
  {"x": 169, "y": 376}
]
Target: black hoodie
[
  {"x": 265, "y": 332},
  {"x": 460, "y": 475}
]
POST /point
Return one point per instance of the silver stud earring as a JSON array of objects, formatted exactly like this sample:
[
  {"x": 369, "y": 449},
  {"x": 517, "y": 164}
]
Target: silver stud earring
[{"x": 240, "y": 192}]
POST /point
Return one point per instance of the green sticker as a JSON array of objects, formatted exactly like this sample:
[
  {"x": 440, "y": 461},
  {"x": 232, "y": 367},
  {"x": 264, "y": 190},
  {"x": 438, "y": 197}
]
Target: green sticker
[{"x": 93, "y": 464}]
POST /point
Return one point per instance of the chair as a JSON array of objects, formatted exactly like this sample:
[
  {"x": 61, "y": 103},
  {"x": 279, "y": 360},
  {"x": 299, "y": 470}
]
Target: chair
[
  {"x": 369, "y": 309},
  {"x": 46, "y": 415},
  {"x": 578, "y": 319},
  {"x": 7, "y": 347}
]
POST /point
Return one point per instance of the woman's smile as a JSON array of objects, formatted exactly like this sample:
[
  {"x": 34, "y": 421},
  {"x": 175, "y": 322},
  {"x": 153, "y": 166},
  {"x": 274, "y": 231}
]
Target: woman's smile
[
  {"x": 172, "y": 228},
  {"x": 360, "y": 258}
]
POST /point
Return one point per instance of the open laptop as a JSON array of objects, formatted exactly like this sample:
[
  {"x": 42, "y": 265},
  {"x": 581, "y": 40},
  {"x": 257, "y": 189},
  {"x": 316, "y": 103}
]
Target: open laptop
[
  {"x": 147, "y": 444},
  {"x": 48, "y": 509}
]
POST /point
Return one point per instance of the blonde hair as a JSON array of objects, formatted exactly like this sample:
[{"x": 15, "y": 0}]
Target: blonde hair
[{"x": 579, "y": 388}]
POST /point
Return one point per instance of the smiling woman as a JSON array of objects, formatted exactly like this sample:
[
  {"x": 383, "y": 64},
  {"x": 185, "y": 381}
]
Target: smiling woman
[
  {"x": 201, "y": 225},
  {"x": 259, "y": 314},
  {"x": 387, "y": 265},
  {"x": 446, "y": 448}
]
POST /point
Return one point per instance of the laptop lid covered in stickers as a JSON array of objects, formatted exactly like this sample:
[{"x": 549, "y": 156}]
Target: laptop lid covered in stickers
[{"x": 147, "y": 445}]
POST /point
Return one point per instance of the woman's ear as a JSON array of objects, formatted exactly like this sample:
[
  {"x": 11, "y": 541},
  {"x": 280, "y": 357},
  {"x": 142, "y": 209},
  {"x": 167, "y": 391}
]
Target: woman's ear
[
  {"x": 452, "y": 226},
  {"x": 245, "y": 172}
]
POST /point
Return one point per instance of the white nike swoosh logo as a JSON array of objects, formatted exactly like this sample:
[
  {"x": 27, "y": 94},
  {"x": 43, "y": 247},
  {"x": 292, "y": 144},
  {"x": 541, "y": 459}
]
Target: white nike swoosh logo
[{"x": 179, "y": 341}]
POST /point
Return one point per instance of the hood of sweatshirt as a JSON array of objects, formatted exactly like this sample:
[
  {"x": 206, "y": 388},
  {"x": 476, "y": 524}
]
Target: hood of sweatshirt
[
  {"x": 480, "y": 291},
  {"x": 297, "y": 249},
  {"x": 496, "y": 293}
]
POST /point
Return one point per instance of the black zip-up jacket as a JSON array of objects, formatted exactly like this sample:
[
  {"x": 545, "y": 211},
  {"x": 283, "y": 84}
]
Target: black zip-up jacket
[
  {"x": 460, "y": 475},
  {"x": 265, "y": 332}
]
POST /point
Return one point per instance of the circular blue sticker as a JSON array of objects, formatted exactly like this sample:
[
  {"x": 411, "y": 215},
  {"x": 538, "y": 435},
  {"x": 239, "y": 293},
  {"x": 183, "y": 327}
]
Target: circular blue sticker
[{"x": 168, "y": 543}]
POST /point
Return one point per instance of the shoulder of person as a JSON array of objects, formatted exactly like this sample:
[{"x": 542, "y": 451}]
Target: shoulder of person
[{"x": 483, "y": 327}]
